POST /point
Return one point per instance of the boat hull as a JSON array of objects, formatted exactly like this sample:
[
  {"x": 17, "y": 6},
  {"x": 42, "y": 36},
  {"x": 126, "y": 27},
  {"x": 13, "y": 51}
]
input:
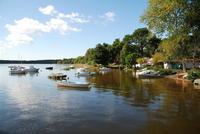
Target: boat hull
[{"x": 73, "y": 85}]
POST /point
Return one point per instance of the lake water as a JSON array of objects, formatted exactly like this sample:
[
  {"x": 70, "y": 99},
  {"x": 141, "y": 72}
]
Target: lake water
[{"x": 117, "y": 103}]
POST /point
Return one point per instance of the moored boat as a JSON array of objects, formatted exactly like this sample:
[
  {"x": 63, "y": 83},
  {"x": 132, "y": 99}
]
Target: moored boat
[
  {"x": 71, "y": 67},
  {"x": 73, "y": 84},
  {"x": 49, "y": 68},
  {"x": 32, "y": 69},
  {"x": 104, "y": 69},
  {"x": 18, "y": 70},
  {"x": 148, "y": 73},
  {"x": 58, "y": 76},
  {"x": 85, "y": 73}
]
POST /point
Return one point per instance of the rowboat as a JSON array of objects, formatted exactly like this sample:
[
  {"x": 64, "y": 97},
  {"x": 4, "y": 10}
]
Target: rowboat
[
  {"x": 85, "y": 73},
  {"x": 73, "y": 84}
]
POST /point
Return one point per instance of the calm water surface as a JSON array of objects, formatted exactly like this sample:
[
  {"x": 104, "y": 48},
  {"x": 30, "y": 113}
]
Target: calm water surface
[{"x": 117, "y": 103}]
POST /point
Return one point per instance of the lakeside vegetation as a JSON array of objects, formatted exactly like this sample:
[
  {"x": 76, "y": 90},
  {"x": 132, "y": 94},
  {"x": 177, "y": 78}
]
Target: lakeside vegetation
[{"x": 172, "y": 34}]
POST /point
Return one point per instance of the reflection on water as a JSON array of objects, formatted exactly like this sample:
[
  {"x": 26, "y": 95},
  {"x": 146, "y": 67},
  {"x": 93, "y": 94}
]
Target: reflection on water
[{"x": 117, "y": 103}]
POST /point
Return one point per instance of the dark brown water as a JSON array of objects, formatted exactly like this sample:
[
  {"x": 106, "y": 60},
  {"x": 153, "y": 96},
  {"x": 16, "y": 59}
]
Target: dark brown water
[{"x": 117, "y": 103}]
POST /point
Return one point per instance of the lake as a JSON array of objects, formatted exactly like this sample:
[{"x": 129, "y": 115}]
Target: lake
[{"x": 117, "y": 103}]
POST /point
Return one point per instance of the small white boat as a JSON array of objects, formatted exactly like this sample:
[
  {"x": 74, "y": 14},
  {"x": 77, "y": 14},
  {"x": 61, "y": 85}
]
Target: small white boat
[
  {"x": 84, "y": 69},
  {"x": 104, "y": 69},
  {"x": 32, "y": 69},
  {"x": 17, "y": 70},
  {"x": 71, "y": 67},
  {"x": 73, "y": 84},
  {"x": 84, "y": 72}
]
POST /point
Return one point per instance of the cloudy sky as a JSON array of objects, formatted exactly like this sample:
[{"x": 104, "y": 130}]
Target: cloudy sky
[{"x": 51, "y": 29}]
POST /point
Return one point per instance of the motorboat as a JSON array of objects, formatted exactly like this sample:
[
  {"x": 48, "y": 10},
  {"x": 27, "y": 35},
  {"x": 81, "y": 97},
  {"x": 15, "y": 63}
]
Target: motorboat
[
  {"x": 104, "y": 69},
  {"x": 32, "y": 69},
  {"x": 73, "y": 84},
  {"x": 147, "y": 73},
  {"x": 18, "y": 70}
]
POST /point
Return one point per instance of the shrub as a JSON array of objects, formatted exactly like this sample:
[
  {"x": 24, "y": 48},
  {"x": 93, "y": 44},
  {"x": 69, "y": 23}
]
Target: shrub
[
  {"x": 193, "y": 74},
  {"x": 161, "y": 70},
  {"x": 166, "y": 71}
]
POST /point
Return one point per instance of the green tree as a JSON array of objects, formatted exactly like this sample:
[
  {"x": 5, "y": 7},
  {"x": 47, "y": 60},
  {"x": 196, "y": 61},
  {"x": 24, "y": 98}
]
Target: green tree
[
  {"x": 152, "y": 46},
  {"x": 115, "y": 51},
  {"x": 101, "y": 54},
  {"x": 158, "y": 57},
  {"x": 80, "y": 60},
  {"x": 178, "y": 20},
  {"x": 89, "y": 56},
  {"x": 140, "y": 39},
  {"x": 126, "y": 50},
  {"x": 130, "y": 59}
]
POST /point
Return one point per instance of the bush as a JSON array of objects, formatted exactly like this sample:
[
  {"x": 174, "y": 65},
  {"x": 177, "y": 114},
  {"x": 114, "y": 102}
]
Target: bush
[
  {"x": 166, "y": 71},
  {"x": 193, "y": 74},
  {"x": 161, "y": 70}
]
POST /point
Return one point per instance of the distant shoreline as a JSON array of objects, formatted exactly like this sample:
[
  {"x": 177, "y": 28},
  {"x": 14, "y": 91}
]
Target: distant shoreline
[{"x": 29, "y": 61}]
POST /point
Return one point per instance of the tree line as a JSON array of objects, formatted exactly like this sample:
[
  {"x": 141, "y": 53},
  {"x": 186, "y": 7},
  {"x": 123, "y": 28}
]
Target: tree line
[{"x": 141, "y": 43}]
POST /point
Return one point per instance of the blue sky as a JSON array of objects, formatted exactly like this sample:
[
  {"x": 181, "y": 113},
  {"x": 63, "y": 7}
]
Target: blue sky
[{"x": 51, "y": 29}]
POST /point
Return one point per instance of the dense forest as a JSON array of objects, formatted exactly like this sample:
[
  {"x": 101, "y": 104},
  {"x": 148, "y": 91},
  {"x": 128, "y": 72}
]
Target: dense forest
[{"x": 176, "y": 22}]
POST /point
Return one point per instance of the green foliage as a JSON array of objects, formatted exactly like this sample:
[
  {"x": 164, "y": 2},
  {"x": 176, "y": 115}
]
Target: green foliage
[
  {"x": 66, "y": 61},
  {"x": 141, "y": 60},
  {"x": 115, "y": 49},
  {"x": 101, "y": 54},
  {"x": 165, "y": 16},
  {"x": 158, "y": 57},
  {"x": 161, "y": 70},
  {"x": 130, "y": 59},
  {"x": 79, "y": 60},
  {"x": 179, "y": 20},
  {"x": 126, "y": 50},
  {"x": 166, "y": 71},
  {"x": 193, "y": 74}
]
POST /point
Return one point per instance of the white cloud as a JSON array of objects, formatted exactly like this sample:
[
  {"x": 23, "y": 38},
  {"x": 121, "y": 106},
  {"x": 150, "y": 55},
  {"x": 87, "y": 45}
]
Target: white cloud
[
  {"x": 60, "y": 25},
  {"x": 74, "y": 17},
  {"x": 48, "y": 10},
  {"x": 109, "y": 16},
  {"x": 16, "y": 39},
  {"x": 22, "y": 30},
  {"x": 27, "y": 26}
]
